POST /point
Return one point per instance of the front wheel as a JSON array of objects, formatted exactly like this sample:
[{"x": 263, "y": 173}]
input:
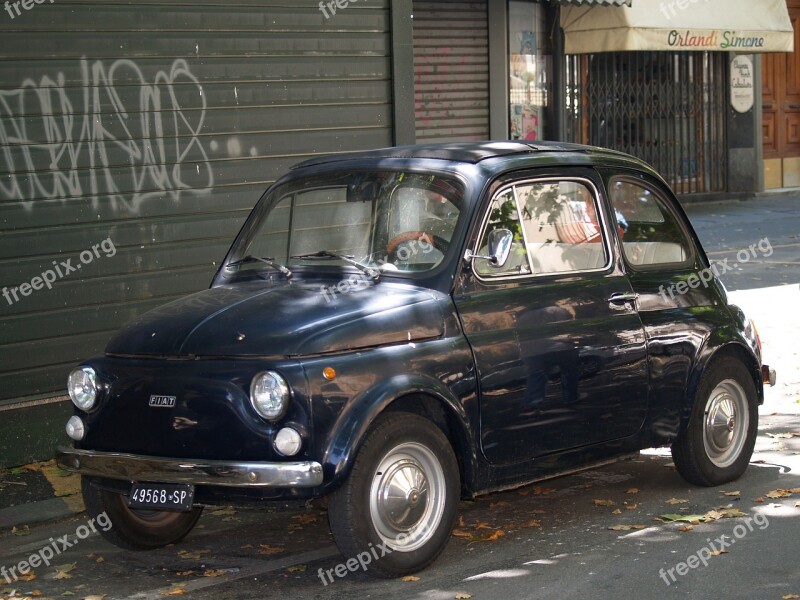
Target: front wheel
[
  {"x": 398, "y": 505},
  {"x": 717, "y": 445},
  {"x": 134, "y": 529}
]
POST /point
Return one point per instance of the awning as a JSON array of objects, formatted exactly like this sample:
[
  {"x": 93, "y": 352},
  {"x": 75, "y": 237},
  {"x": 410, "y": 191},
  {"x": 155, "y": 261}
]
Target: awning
[{"x": 676, "y": 25}]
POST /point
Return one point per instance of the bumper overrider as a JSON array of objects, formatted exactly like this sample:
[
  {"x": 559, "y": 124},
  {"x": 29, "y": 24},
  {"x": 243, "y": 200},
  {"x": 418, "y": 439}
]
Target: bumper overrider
[{"x": 132, "y": 467}]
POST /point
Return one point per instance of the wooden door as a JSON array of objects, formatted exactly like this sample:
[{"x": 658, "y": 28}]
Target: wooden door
[{"x": 781, "y": 104}]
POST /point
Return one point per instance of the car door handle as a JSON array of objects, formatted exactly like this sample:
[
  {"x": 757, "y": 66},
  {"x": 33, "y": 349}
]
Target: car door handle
[{"x": 623, "y": 298}]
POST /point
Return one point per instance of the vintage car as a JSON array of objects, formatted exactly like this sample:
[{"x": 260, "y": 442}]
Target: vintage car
[{"x": 399, "y": 329}]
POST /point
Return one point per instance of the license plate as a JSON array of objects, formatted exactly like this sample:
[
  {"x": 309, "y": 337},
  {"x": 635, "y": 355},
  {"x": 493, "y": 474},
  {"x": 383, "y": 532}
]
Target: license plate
[{"x": 161, "y": 496}]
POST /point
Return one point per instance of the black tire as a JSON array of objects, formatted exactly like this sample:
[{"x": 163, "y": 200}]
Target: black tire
[
  {"x": 135, "y": 529},
  {"x": 407, "y": 534},
  {"x": 718, "y": 443}
]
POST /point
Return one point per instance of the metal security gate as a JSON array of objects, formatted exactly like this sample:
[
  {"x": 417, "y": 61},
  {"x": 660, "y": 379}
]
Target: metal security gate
[
  {"x": 663, "y": 107},
  {"x": 156, "y": 135},
  {"x": 451, "y": 70}
]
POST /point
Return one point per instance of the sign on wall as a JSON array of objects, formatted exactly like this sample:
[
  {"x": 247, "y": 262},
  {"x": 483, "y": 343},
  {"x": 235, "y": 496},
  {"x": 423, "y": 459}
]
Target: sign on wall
[{"x": 742, "y": 84}]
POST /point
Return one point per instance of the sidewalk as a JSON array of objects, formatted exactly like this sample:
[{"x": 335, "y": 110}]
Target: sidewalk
[{"x": 37, "y": 493}]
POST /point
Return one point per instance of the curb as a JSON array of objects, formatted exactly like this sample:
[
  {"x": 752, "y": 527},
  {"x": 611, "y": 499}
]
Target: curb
[{"x": 33, "y": 513}]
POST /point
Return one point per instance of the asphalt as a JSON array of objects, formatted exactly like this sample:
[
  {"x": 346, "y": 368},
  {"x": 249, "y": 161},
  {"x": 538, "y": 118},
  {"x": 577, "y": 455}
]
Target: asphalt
[{"x": 40, "y": 492}]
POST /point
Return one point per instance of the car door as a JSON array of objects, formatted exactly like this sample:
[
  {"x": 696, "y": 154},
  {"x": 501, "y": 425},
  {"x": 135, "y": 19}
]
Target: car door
[
  {"x": 559, "y": 347},
  {"x": 674, "y": 302}
]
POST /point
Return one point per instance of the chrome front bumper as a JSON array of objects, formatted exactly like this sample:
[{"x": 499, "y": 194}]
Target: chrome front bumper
[{"x": 132, "y": 467}]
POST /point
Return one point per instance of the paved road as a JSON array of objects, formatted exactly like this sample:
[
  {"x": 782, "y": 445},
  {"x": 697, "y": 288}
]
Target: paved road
[{"x": 556, "y": 542}]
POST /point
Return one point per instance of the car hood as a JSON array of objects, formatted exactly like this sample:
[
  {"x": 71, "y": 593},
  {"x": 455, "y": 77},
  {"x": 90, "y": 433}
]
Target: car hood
[{"x": 283, "y": 319}]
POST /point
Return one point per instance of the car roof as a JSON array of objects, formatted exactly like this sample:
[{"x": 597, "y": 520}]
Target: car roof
[{"x": 476, "y": 152}]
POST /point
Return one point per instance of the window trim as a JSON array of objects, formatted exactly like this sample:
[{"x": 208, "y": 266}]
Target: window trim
[
  {"x": 691, "y": 258},
  {"x": 599, "y": 209}
]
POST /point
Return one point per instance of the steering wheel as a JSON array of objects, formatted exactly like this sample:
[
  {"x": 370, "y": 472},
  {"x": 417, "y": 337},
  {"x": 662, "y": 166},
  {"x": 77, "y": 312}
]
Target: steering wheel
[{"x": 394, "y": 244}]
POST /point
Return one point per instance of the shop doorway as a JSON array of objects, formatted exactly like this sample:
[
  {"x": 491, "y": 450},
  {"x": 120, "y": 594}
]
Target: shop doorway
[{"x": 781, "y": 105}]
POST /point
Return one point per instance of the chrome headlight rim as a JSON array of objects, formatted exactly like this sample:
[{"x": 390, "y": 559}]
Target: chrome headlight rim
[
  {"x": 86, "y": 398},
  {"x": 278, "y": 409}
]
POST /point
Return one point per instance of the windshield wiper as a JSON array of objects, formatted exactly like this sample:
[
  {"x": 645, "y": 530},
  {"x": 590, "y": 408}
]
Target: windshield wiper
[
  {"x": 374, "y": 274},
  {"x": 267, "y": 261}
]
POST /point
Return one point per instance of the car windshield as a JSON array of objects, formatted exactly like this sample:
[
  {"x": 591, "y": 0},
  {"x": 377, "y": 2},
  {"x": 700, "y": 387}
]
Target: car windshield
[{"x": 388, "y": 220}]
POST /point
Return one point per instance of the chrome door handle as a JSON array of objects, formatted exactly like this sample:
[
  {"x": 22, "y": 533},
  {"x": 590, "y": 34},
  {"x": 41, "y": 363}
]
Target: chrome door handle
[{"x": 623, "y": 298}]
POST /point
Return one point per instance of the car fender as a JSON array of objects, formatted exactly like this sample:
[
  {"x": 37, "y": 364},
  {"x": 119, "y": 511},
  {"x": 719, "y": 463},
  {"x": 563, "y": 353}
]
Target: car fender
[
  {"x": 352, "y": 425},
  {"x": 724, "y": 342}
]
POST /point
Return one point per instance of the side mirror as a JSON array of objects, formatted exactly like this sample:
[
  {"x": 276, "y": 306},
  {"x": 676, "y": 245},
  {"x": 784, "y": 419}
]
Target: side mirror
[{"x": 499, "y": 246}]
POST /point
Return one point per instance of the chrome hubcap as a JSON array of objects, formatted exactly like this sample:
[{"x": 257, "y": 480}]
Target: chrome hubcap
[
  {"x": 726, "y": 423},
  {"x": 407, "y": 497}
]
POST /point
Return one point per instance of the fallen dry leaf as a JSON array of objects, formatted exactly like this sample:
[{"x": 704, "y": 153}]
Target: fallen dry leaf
[
  {"x": 94, "y": 597},
  {"x": 175, "y": 591},
  {"x": 305, "y": 519},
  {"x": 718, "y": 552},
  {"x": 297, "y": 569},
  {"x": 676, "y": 501},
  {"x": 631, "y": 506},
  {"x": 24, "y": 531},
  {"x": 693, "y": 519},
  {"x": 685, "y": 528},
  {"x": 186, "y": 573},
  {"x": 491, "y": 537},
  {"x": 531, "y": 523},
  {"x": 730, "y": 513},
  {"x": 196, "y": 555},
  {"x": 523, "y": 492},
  {"x": 602, "y": 502},
  {"x": 543, "y": 491},
  {"x": 732, "y": 494},
  {"x": 494, "y": 505},
  {"x": 462, "y": 533},
  {"x": 616, "y": 511},
  {"x": 463, "y": 596},
  {"x": 268, "y": 550},
  {"x": 790, "y": 597},
  {"x": 758, "y": 500},
  {"x": 795, "y": 490},
  {"x": 224, "y": 512},
  {"x": 214, "y": 572},
  {"x": 781, "y": 493},
  {"x": 784, "y": 436},
  {"x": 632, "y": 491},
  {"x": 482, "y": 525},
  {"x": 626, "y": 527},
  {"x": 410, "y": 578}
]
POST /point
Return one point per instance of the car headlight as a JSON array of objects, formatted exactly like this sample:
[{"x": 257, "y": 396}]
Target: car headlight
[
  {"x": 82, "y": 387},
  {"x": 269, "y": 395}
]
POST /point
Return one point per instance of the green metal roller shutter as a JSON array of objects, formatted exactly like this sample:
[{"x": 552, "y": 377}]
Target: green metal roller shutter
[
  {"x": 451, "y": 70},
  {"x": 158, "y": 125}
]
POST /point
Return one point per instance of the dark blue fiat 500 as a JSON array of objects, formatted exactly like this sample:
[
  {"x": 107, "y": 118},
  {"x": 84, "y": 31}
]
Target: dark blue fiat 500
[{"x": 402, "y": 328}]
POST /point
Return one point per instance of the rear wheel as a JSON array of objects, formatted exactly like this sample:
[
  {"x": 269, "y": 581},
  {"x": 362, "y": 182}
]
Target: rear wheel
[
  {"x": 135, "y": 529},
  {"x": 399, "y": 502},
  {"x": 717, "y": 445}
]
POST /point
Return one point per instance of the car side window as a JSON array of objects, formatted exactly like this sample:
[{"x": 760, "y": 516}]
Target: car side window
[
  {"x": 503, "y": 214},
  {"x": 563, "y": 232},
  {"x": 651, "y": 234},
  {"x": 555, "y": 225}
]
